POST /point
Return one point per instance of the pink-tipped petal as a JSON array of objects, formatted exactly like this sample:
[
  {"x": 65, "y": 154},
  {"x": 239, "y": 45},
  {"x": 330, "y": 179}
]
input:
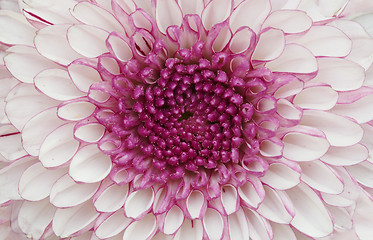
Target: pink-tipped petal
[
  {"x": 281, "y": 176},
  {"x": 259, "y": 227},
  {"x": 282, "y": 232},
  {"x": 318, "y": 97},
  {"x": 190, "y": 229},
  {"x": 238, "y": 225},
  {"x": 113, "y": 225},
  {"x": 345, "y": 156},
  {"x": 191, "y": 7},
  {"x": 289, "y": 21},
  {"x": 15, "y": 29},
  {"x": 138, "y": 203},
  {"x": 111, "y": 199},
  {"x": 215, "y": 12},
  {"x": 83, "y": 76},
  {"x": 196, "y": 204},
  {"x": 173, "y": 220},
  {"x": 91, "y": 132},
  {"x": 213, "y": 224},
  {"x": 270, "y": 46},
  {"x": 142, "y": 229},
  {"x": 75, "y": 110},
  {"x": 167, "y": 13}
]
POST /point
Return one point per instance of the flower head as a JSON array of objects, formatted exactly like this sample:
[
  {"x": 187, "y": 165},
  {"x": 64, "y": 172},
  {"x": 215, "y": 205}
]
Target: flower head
[{"x": 186, "y": 119}]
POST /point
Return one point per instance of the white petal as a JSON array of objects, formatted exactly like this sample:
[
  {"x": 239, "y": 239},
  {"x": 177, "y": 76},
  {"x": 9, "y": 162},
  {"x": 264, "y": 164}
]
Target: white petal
[
  {"x": 34, "y": 217},
  {"x": 139, "y": 202},
  {"x": 213, "y": 224},
  {"x": 282, "y": 232},
  {"x": 15, "y": 29},
  {"x": 75, "y": 111},
  {"x": 270, "y": 46},
  {"x": 142, "y": 229},
  {"x": 359, "y": 110},
  {"x": 67, "y": 193},
  {"x": 51, "y": 42},
  {"x": 331, "y": 125},
  {"x": 11, "y": 147},
  {"x": 341, "y": 217},
  {"x": 174, "y": 219},
  {"x": 311, "y": 216},
  {"x": 25, "y": 63},
  {"x": 280, "y": 176},
  {"x": 37, "y": 181},
  {"x": 87, "y": 40},
  {"x": 258, "y": 226},
  {"x": 191, "y": 7},
  {"x": 24, "y": 102},
  {"x": 167, "y": 13},
  {"x": 10, "y": 176},
  {"x": 93, "y": 15},
  {"x": 270, "y": 148},
  {"x": 83, "y": 76},
  {"x": 38, "y": 128},
  {"x": 321, "y": 177},
  {"x": 318, "y": 97},
  {"x": 289, "y": 21},
  {"x": 112, "y": 225},
  {"x": 91, "y": 132},
  {"x": 362, "y": 172},
  {"x": 240, "y": 41},
  {"x": 344, "y": 156},
  {"x": 250, "y": 13},
  {"x": 294, "y": 59},
  {"x": 196, "y": 204},
  {"x": 340, "y": 74},
  {"x": 238, "y": 225},
  {"x": 215, "y": 12},
  {"x": 304, "y": 147},
  {"x": 67, "y": 221},
  {"x": 325, "y": 41},
  {"x": 89, "y": 165},
  {"x": 229, "y": 198},
  {"x": 222, "y": 39},
  {"x": 58, "y": 147},
  {"x": 191, "y": 229},
  {"x": 119, "y": 47},
  {"x": 252, "y": 194},
  {"x": 275, "y": 207},
  {"x": 288, "y": 111},
  {"x": 57, "y": 84},
  {"x": 112, "y": 198}
]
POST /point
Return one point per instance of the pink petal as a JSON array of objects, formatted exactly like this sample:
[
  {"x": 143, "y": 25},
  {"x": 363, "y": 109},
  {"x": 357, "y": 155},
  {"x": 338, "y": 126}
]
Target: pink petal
[
  {"x": 167, "y": 13},
  {"x": 252, "y": 193},
  {"x": 87, "y": 40},
  {"x": 142, "y": 229},
  {"x": 270, "y": 46},
  {"x": 37, "y": 181},
  {"x": 67, "y": 193},
  {"x": 138, "y": 203},
  {"x": 215, "y": 12},
  {"x": 250, "y": 13},
  {"x": 294, "y": 59},
  {"x": 51, "y": 42},
  {"x": 311, "y": 216},
  {"x": 90, "y": 165},
  {"x": 196, "y": 204},
  {"x": 67, "y": 221},
  {"x": 289, "y": 21},
  {"x": 57, "y": 84},
  {"x": 173, "y": 220}
]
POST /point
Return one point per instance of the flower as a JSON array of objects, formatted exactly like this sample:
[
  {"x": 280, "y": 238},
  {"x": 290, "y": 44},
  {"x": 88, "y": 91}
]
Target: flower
[{"x": 189, "y": 119}]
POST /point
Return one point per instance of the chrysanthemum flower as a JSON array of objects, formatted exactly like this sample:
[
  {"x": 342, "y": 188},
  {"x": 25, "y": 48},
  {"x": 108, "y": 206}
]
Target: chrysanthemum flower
[{"x": 188, "y": 119}]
